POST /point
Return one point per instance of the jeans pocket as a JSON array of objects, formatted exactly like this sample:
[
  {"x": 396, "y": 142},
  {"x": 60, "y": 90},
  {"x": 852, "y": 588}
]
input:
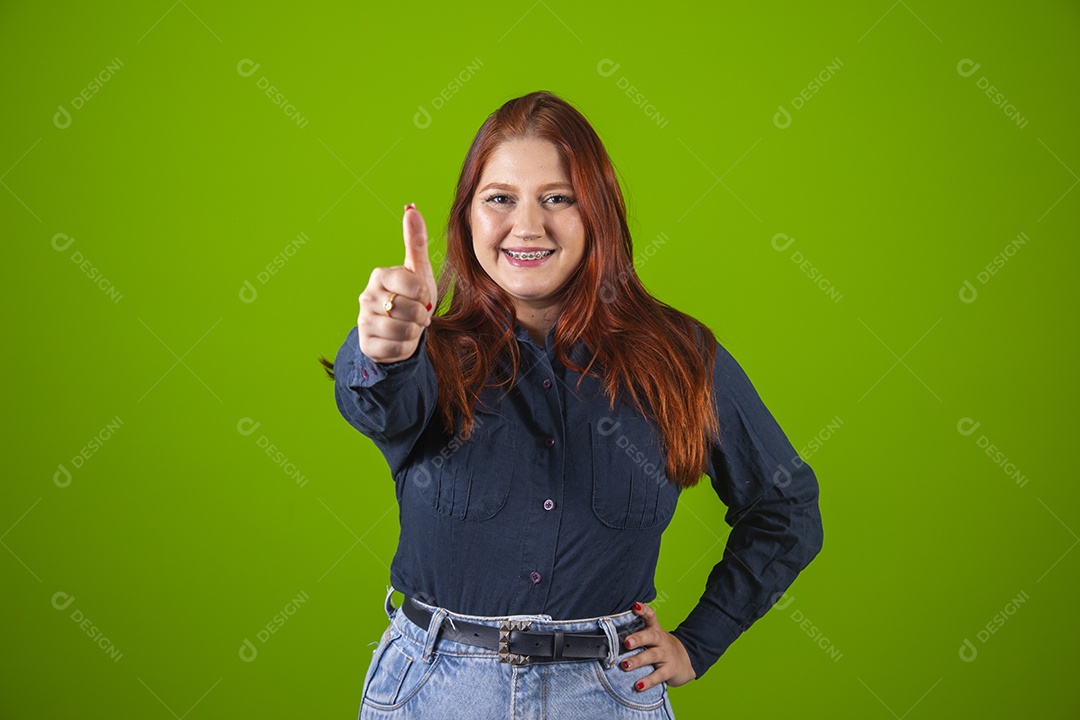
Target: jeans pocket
[
  {"x": 619, "y": 684},
  {"x": 397, "y": 672}
]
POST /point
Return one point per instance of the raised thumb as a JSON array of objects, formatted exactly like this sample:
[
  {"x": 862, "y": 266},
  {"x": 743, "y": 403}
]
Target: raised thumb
[{"x": 416, "y": 242}]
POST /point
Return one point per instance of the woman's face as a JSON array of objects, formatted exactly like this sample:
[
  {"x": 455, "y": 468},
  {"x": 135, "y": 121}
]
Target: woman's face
[{"x": 526, "y": 228}]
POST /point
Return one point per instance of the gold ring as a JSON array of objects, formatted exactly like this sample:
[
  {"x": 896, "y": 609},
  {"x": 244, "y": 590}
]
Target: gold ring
[{"x": 389, "y": 304}]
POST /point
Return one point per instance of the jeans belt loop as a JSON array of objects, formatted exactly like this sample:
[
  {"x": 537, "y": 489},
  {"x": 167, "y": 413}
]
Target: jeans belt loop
[
  {"x": 389, "y": 606},
  {"x": 433, "y": 634},
  {"x": 613, "y": 641}
]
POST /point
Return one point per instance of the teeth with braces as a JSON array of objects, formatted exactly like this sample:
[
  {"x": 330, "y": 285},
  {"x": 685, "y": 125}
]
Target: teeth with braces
[{"x": 534, "y": 255}]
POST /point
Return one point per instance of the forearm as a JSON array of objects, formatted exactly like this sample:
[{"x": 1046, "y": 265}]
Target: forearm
[
  {"x": 766, "y": 550},
  {"x": 390, "y": 403}
]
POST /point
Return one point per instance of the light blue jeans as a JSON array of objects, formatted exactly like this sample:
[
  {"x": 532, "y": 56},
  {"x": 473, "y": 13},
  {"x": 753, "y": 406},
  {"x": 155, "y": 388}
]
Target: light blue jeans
[{"x": 412, "y": 676}]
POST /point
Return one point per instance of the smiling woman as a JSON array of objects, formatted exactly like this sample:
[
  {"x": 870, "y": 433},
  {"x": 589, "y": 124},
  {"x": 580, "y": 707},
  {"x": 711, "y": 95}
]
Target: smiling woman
[
  {"x": 541, "y": 413},
  {"x": 528, "y": 239}
]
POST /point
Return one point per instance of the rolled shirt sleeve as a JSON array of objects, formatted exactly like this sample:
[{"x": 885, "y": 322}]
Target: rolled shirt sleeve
[
  {"x": 391, "y": 403},
  {"x": 772, "y": 500}
]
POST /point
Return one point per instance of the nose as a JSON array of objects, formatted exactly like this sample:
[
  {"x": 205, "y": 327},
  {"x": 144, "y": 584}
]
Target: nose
[{"x": 528, "y": 221}]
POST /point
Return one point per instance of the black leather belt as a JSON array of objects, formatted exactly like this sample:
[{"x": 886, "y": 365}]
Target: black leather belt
[{"x": 514, "y": 642}]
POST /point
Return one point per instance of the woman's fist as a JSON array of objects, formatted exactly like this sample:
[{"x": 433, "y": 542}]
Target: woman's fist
[{"x": 396, "y": 305}]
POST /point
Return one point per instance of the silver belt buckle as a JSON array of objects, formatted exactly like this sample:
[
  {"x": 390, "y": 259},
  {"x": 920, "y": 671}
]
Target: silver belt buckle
[{"x": 505, "y": 656}]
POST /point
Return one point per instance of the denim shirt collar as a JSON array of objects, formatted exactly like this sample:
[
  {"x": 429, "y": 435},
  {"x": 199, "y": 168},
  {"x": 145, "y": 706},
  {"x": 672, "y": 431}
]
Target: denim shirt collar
[
  {"x": 579, "y": 353},
  {"x": 524, "y": 336}
]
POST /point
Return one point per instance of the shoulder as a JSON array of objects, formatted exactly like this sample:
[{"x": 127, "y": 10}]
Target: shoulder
[{"x": 731, "y": 383}]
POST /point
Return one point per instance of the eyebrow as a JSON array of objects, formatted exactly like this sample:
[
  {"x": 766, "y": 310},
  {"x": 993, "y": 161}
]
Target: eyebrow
[{"x": 505, "y": 186}]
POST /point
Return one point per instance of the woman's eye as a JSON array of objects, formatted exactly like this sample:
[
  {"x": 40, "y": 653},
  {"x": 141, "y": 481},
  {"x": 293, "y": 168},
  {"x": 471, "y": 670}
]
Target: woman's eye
[{"x": 506, "y": 200}]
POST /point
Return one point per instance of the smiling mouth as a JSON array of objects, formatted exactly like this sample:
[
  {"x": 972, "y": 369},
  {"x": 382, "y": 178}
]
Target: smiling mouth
[{"x": 533, "y": 255}]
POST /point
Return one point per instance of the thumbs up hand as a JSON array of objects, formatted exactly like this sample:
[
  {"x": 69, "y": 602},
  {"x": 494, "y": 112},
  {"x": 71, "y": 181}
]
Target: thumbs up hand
[{"x": 396, "y": 305}]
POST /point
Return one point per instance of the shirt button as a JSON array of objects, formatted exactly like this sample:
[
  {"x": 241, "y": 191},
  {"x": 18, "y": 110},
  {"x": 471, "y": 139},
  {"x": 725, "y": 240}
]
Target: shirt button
[
  {"x": 549, "y": 504},
  {"x": 547, "y": 383},
  {"x": 535, "y": 577},
  {"x": 550, "y": 442}
]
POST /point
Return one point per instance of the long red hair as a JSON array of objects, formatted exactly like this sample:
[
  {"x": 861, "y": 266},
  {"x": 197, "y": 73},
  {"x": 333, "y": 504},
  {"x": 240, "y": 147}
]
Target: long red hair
[{"x": 656, "y": 358}]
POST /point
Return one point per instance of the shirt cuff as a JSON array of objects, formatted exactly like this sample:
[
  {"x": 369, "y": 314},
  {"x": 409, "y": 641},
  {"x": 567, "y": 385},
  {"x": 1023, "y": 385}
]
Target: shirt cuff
[
  {"x": 360, "y": 371},
  {"x": 706, "y": 634}
]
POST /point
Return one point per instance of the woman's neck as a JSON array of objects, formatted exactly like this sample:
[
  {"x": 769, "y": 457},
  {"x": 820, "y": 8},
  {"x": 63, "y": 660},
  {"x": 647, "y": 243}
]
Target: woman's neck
[{"x": 537, "y": 320}]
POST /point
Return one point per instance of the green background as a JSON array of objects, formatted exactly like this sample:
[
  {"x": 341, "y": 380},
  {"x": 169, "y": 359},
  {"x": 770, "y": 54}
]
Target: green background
[{"x": 180, "y": 180}]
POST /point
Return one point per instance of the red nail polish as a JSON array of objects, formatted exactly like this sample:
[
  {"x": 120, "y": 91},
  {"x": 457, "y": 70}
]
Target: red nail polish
[
  {"x": 428, "y": 306},
  {"x": 637, "y": 606},
  {"x": 640, "y": 685},
  {"x": 410, "y": 205},
  {"x": 626, "y": 664}
]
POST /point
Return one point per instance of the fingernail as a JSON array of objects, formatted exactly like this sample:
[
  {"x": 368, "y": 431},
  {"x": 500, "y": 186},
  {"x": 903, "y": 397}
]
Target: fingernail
[
  {"x": 629, "y": 643},
  {"x": 410, "y": 205},
  {"x": 640, "y": 685},
  {"x": 625, "y": 664},
  {"x": 637, "y": 606},
  {"x": 428, "y": 306}
]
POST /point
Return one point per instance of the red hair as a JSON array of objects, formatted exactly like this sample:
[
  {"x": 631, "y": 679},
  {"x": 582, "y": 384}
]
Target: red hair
[{"x": 658, "y": 359}]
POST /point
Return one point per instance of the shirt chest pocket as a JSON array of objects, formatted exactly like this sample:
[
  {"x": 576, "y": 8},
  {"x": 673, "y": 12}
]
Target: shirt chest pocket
[
  {"x": 630, "y": 486},
  {"x": 467, "y": 479}
]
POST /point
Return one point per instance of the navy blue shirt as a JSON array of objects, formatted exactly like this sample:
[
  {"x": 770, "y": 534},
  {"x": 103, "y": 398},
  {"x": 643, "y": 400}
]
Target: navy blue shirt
[{"x": 556, "y": 503}]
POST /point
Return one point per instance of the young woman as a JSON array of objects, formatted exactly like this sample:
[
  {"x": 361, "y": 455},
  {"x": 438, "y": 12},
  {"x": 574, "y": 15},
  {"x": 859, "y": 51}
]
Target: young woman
[{"x": 540, "y": 413}]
